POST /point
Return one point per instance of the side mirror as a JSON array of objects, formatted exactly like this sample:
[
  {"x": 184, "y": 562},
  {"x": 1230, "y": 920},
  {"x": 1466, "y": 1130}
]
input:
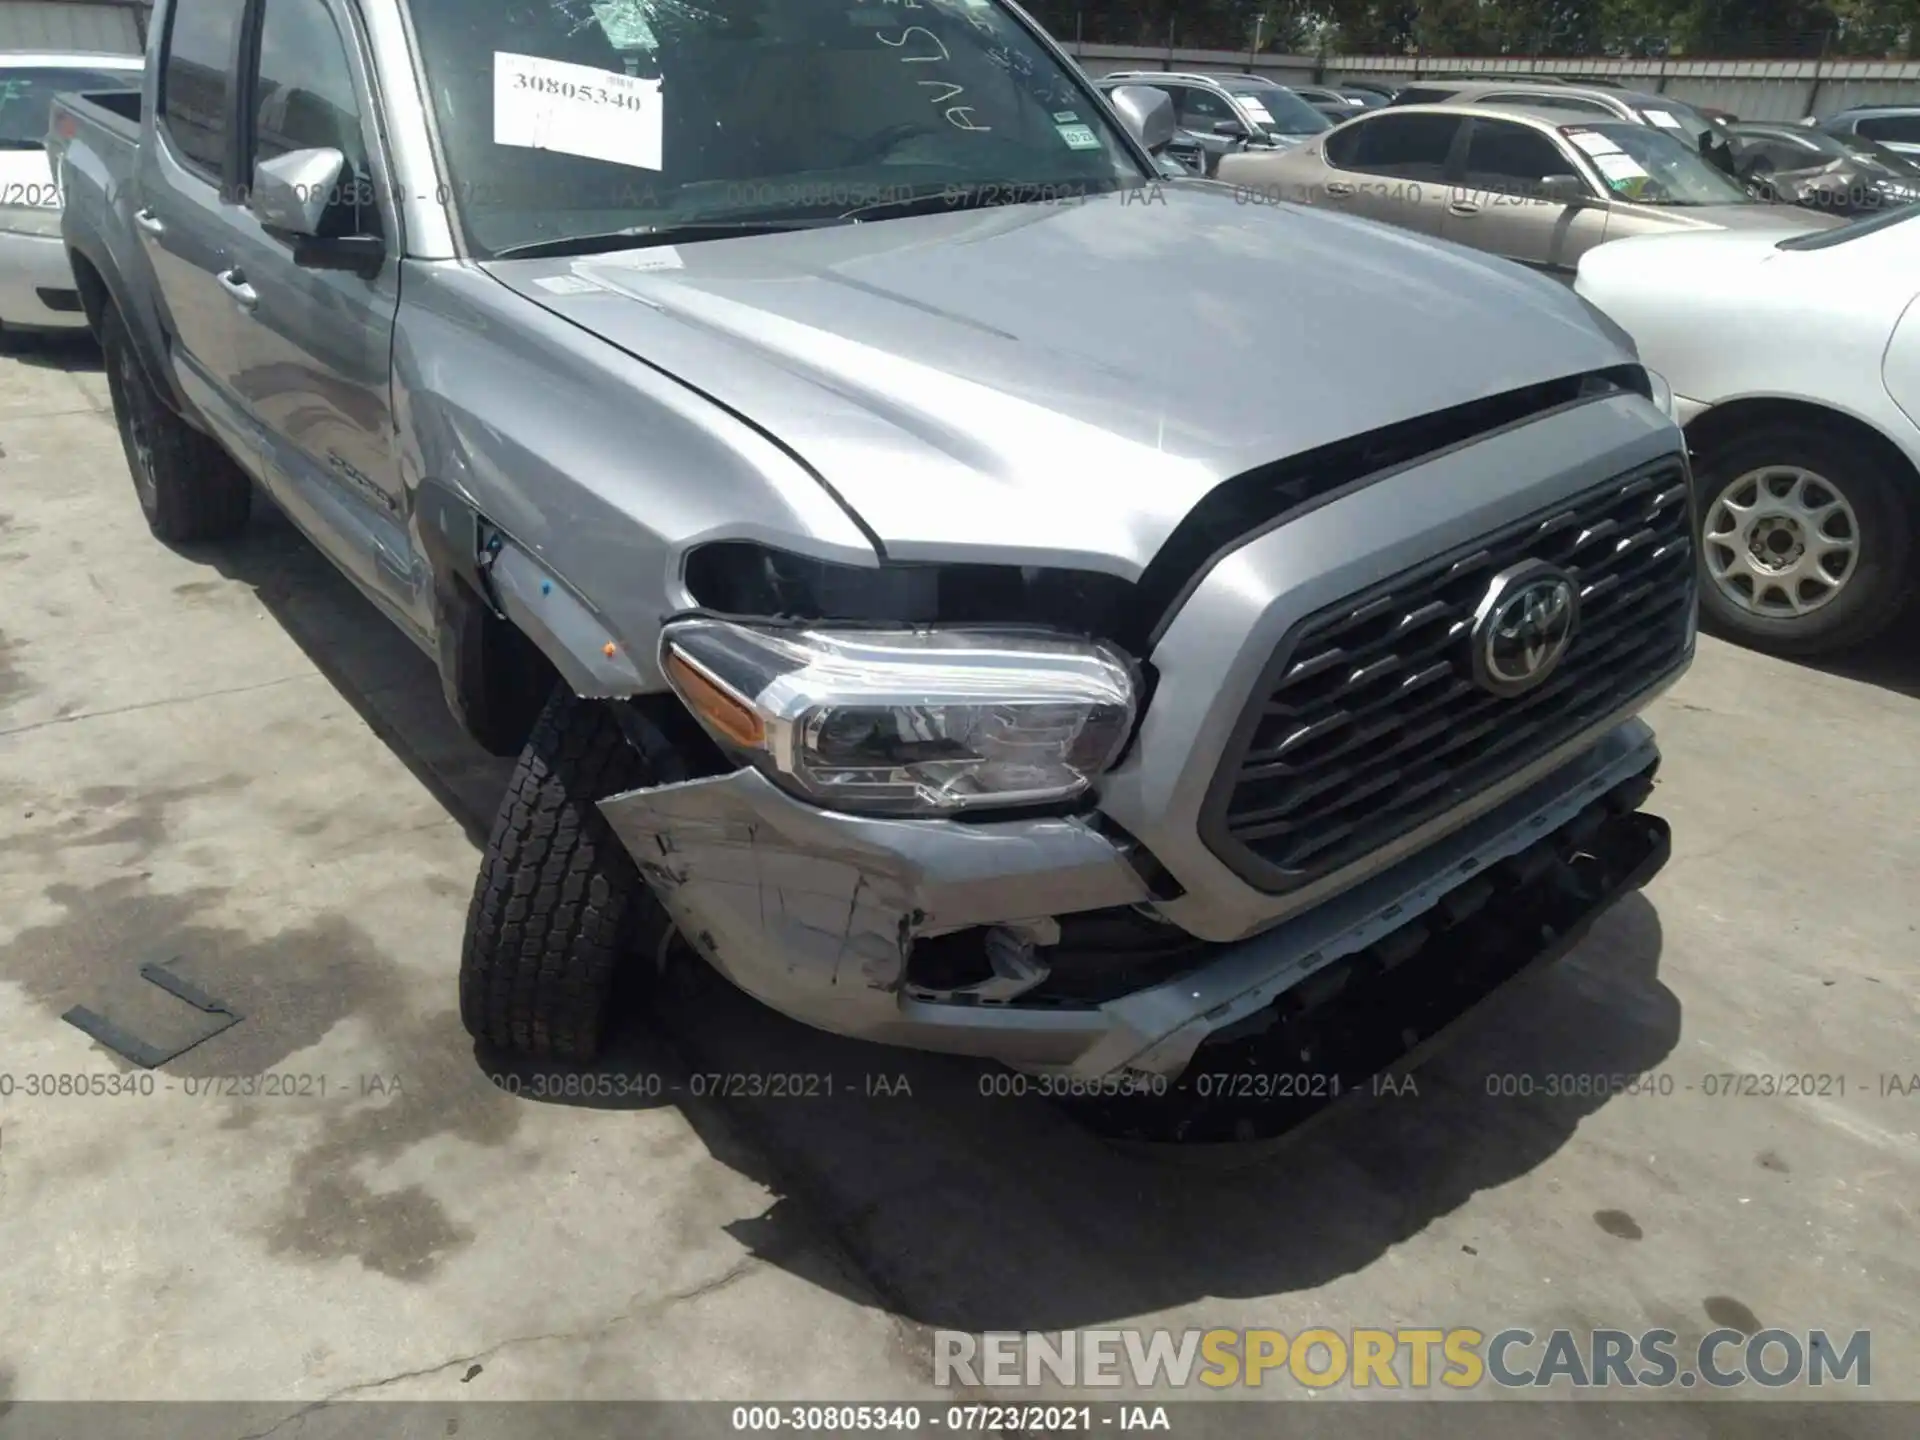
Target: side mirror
[
  {"x": 291, "y": 196},
  {"x": 291, "y": 192},
  {"x": 1147, "y": 113},
  {"x": 1565, "y": 190},
  {"x": 1231, "y": 128}
]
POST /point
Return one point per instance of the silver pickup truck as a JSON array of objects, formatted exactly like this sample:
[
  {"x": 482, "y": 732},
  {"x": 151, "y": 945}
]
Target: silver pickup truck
[{"x": 977, "y": 595}]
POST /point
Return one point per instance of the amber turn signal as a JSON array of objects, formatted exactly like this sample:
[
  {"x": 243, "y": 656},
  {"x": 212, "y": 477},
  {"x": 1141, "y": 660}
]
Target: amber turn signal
[{"x": 718, "y": 707}]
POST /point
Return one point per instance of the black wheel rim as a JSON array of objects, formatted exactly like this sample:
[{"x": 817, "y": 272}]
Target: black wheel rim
[{"x": 134, "y": 430}]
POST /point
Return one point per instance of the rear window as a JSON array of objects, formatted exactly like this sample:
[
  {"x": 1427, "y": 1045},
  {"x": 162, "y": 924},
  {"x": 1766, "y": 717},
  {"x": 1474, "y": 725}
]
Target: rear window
[
  {"x": 1901, "y": 129},
  {"x": 1424, "y": 95},
  {"x": 26, "y": 98}
]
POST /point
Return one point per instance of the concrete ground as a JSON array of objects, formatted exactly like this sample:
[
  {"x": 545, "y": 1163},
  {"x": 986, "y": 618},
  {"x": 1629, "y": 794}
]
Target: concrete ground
[{"x": 229, "y": 763}]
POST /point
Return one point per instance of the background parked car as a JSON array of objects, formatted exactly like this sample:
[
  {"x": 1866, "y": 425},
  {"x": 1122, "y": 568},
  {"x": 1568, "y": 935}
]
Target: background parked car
[
  {"x": 1382, "y": 93},
  {"x": 1895, "y": 126},
  {"x": 1220, "y": 115},
  {"x": 1329, "y": 102},
  {"x": 1801, "y": 166},
  {"x": 36, "y": 282},
  {"x": 1795, "y": 369},
  {"x": 1525, "y": 184},
  {"x": 1680, "y": 119}
]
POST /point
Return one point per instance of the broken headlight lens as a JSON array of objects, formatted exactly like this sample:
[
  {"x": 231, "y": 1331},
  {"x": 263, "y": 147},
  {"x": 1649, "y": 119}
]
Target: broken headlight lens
[{"x": 908, "y": 722}]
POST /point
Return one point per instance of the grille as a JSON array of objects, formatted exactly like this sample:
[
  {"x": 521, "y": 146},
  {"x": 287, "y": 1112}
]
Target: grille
[{"x": 1370, "y": 723}]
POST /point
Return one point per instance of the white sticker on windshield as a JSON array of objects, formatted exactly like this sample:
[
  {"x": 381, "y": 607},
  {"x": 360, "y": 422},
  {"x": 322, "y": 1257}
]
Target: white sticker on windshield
[
  {"x": 1065, "y": 117},
  {"x": 1665, "y": 119},
  {"x": 1593, "y": 142},
  {"x": 541, "y": 104},
  {"x": 624, "y": 23},
  {"x": 1618, "y": 166},
  {"x": 1078, "y": 137},
  {"x": 568, "y": 285},
  {"x": 1258, "y": 111}
]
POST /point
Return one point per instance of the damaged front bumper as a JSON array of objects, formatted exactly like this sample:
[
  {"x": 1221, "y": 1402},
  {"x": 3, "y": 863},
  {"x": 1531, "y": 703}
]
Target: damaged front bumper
[{"x": 818, "y": 914}]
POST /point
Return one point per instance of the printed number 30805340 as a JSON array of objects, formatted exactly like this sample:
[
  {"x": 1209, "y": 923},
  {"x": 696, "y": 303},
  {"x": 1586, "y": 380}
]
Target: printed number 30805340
[{"x": 592, "y": 94}]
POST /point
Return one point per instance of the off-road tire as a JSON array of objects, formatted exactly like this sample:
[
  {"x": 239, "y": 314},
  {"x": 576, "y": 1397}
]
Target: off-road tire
[
  {"x": 1882, "y": 499},
  {"x": 559, "y": 907},
  {"x": 189, "y": 487}
]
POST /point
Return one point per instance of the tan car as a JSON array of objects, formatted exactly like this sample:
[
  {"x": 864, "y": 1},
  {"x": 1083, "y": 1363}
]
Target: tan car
[{"x": 1532, "y": 185}]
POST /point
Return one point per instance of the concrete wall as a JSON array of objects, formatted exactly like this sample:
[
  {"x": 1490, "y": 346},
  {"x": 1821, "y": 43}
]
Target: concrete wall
[
  {"x": 1751, "y": 89},
  {"x": 72, "y": 25}
]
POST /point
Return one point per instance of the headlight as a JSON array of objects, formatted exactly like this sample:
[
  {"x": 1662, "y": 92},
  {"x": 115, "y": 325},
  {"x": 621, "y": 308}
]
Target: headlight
[
  {"x": 1662, "y": 394},
  {"x": 30, "y": 219},
  {"x": 909, "y": 722}
]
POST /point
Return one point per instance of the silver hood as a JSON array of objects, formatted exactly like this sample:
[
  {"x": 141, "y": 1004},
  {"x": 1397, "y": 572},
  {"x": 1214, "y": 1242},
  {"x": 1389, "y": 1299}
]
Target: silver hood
[{"x": 1069, "y": 379}]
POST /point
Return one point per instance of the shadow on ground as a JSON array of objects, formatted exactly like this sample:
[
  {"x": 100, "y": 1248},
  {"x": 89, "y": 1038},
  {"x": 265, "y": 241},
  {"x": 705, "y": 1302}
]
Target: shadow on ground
[
  {"x": 1890, "y": 661},
  {"x": 57, "y": 350},
  {"x": 977, "y": 1210}
]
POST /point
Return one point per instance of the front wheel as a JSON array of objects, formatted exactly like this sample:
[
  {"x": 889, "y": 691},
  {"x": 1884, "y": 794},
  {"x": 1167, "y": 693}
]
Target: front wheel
[
  {"x": 559, "y": 906},
  {"x": 1806, "y": 539}
]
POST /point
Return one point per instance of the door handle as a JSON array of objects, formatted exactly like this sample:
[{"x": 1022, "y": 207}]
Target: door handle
[
  {"x": 1463, "y": 207},
  {"x": 235, "y": 284},
  {"x": 149, "y": 222},
  {"x": 1338, "y": 187}
]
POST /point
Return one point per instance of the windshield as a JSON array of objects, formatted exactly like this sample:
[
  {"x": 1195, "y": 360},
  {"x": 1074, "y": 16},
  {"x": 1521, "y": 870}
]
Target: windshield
[
  {"x": 1279, "y": 111},
  {"x": 566, "y": 118},
  {"x": 25, "y": 96},
  {"x": 1815, "y": 148},
  {"x": 1681, "y": 122},
  {"x": 1650, "y": 167},
  {"x": 1809, "y": 148},
  {"x": 1875, "y": 156}
]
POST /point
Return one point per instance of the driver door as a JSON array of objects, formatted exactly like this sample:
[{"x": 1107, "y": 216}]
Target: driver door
[
  {"x": 314, "y": 346},
  {"x": 1499, "y": 206}
]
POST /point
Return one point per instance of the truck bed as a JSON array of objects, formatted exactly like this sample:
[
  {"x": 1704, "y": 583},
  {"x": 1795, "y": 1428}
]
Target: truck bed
[
  {"x": 116, "y": 110},
  {"x": 93, "y": 144}
]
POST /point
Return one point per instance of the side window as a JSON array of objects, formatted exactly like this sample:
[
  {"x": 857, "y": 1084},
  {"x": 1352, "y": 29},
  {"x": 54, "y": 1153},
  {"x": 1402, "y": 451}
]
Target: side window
[
  {"x": 1781, "y": 155},
  {"x": 1342, "y": 145},
  {"x": 1406, "y": 147},
  {"x": 1511, "y": 159},
  {"x": 1202, "y": 109},
  {"x": 1901, "y": 129},
  {"x": 304, "y": 100},
  {"x": 194, "y": 78}
]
